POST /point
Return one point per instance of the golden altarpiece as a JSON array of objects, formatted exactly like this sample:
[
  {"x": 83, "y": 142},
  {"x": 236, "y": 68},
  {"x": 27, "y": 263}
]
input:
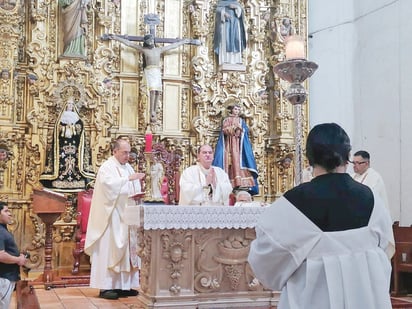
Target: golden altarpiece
[{"x": 104, "y": 83}]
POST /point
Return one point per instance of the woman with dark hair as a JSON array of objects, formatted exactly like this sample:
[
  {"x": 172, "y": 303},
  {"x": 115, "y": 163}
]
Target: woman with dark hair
[{"x": 339, "y": 256}]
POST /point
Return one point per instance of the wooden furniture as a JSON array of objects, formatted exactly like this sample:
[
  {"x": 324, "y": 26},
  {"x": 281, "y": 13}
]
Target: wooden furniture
[
  {"x": 196, "y": 257},
  {"x": 402, "y": 260},
  {"x": 84, "y": 199},
  {"x": 26, "y": 297},
  {"x": 48, "y": 205}
]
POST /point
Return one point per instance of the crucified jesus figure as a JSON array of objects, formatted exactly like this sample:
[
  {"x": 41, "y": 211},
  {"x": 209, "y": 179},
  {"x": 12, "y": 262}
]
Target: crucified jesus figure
[{"x": 151, "y": 64}]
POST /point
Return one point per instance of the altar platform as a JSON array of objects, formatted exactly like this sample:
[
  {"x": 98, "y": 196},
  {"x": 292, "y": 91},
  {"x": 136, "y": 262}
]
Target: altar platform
[{"x": 196, "y": 257}]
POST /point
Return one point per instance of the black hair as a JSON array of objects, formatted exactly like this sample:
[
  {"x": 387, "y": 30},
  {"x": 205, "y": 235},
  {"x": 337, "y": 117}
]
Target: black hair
[
  {"x": 2, "y": 205},
  {"x": 364, "y": 154},
  {"x": 145, "y": 38},
  {"x": 148, "y": 37},
  {"x": 328, "y": 146}
]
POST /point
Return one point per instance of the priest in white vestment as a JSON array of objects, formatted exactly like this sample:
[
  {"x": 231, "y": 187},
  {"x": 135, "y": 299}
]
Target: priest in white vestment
[
  {"x": 365, "y": 174},
  {"x": 109, "y": 240},
  {"x": 204, "y": 184},
  {"x": 327, "y": 243}
]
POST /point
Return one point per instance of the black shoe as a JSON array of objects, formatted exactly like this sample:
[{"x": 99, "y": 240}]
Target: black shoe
[
  {"x": 108, "y": 294},
  {"x": 126, "y": 293}
]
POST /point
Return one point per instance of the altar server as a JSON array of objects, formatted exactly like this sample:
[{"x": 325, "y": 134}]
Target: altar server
[{"x": 326, "y": 243}]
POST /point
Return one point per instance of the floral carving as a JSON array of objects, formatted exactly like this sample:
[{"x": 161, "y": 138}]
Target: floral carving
[{"x": 175, "y": 245}]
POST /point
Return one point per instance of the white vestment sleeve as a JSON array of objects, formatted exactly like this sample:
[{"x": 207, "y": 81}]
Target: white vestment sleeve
[
  {"x": 110, "y": 197},
  {"x": 271, "y": 263},
  {"x": 191, "y": 192},
  {"x": 192, "y": 182},
  {"x": 284, "y": 238},
  {"x": 223, "y": 187},
  {"x": 381, "y": 224}
]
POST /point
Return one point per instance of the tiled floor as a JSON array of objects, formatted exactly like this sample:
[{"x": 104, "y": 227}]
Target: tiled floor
[
  {"x": 78, "y": 298},
  {"x": 87, "y": 298}
]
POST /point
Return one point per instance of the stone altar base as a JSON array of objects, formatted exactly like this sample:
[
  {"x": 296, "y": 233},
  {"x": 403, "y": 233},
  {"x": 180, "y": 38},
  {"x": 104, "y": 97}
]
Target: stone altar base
[{"x": 196, "y": 257}]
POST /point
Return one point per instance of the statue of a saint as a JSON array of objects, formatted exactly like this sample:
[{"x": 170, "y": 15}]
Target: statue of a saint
[
  {"x": 230, "y": 36},
  {"x": 234, "y": 152},
  {"x": 156, "y": 175},
  {"x": 74, "y": 27},
  {"x": 68, "y": 166}
]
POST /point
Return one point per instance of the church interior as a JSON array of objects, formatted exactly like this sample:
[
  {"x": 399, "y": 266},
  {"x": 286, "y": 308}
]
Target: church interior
[{"x": 69, "y": 87}]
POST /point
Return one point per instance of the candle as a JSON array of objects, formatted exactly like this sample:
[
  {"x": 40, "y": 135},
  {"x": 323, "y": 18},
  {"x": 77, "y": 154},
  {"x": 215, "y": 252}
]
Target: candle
[
  {"x": 148, "y": 140},
  {"x": 295, "y": 47}
]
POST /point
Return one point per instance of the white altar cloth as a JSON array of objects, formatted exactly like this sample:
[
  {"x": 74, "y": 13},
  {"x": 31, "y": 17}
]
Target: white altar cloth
[{"x": 199, "y": 217}]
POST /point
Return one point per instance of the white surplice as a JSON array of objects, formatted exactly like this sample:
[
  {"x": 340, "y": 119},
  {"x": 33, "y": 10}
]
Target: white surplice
[
  {"x": 373, "y": 180},
  {"x": 193, "y": 182},
  {"x": 348, "y": 269},
  {"x": 108, "y": 235}
]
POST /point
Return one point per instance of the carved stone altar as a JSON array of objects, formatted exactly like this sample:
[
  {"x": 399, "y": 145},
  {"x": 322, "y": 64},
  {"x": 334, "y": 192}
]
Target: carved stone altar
[{"x": 196, "y": 257}]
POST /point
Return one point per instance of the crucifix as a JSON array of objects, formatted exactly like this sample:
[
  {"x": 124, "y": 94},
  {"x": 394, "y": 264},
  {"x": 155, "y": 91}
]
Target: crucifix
[{"x": 151, "y": 56}]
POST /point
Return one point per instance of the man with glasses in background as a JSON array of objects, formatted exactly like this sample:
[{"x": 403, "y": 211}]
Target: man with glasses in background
[{"x": 363, "y": 173}]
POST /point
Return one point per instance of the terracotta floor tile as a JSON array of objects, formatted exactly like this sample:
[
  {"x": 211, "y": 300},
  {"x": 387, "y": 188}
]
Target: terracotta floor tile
[
  {"x": 52, "y": 306},
  {"x": 47, "y": 296},
  {"x": 107, "y": 303},
  {"x": 84, "y": 303},
  {"x": 90, "y": 292},
  {"x": 68, "y": 293}
]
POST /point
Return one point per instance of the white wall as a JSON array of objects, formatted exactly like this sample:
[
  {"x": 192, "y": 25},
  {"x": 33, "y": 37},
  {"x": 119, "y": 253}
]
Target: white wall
[
  {"x": 405, "y": 119},
  {"x": 363, "y": 51},
  {"x": 331, "y": 47}
]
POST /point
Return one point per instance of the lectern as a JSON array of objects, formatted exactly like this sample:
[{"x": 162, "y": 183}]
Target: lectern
[{"x": 48, "y": 205}]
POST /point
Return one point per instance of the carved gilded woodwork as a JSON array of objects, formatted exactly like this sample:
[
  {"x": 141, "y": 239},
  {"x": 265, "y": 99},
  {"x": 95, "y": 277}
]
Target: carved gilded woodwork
[{"x": 36, "y": 80}]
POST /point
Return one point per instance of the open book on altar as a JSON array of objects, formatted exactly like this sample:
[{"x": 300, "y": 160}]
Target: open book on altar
[{"x": 137, "y": 195}]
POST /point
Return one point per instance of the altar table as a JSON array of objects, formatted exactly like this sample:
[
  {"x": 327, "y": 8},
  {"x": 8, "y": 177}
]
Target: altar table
[{"x": 196, "y": 257}]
